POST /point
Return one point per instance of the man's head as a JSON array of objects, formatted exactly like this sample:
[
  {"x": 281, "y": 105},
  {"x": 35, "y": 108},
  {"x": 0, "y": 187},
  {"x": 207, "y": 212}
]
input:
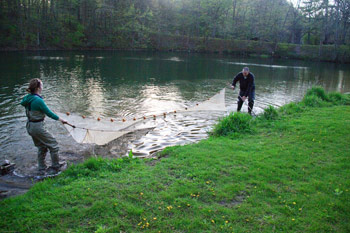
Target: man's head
[{"x": 245, "y": 71}]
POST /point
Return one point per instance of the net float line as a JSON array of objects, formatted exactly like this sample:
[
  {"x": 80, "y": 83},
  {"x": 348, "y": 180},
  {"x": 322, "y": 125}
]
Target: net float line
[
  {"x": 164, "y": 114},
  {"x": 102, "y": 130},
  {"x": 145, "y": 117}
]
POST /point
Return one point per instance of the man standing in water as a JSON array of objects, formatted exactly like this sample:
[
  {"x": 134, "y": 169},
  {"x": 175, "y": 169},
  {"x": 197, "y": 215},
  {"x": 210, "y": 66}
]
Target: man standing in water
[
  {"x": 247, "y": 88},
  {"x": 36, "y": 110}
]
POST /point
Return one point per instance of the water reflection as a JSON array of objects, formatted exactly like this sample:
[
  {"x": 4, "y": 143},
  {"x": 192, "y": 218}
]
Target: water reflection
[
  {"x": 132, "y": 84},
  {"x": 340, "y": 86},
  {"x": 159, "y": 99}
]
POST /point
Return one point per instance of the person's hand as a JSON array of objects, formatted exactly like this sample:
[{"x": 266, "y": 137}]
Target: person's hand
[
  {"x": 243, "y": 98},
  {"x": 233, "y": 88},
  {"x": 63, "y": 121}
]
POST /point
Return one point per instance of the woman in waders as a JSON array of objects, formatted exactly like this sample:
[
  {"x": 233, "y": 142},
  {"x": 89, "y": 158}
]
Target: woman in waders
[{"x": 36, "y": 110}]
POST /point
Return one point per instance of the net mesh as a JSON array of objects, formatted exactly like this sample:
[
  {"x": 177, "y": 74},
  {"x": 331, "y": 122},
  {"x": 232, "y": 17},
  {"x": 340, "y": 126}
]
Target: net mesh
[
  {"x": 215, "y": 103},
  {"x": 102, "y": 131}
]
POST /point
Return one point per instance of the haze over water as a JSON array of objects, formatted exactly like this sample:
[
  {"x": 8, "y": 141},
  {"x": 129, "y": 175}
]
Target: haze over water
[{"x": 133, "y": 84}]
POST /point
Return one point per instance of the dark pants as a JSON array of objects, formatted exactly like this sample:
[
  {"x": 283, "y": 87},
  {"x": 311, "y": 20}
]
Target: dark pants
[{"x": 251, "y": 98}]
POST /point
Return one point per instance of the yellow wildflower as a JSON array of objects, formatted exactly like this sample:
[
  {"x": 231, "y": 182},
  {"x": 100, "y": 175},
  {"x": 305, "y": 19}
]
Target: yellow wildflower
[{"x": 212, "y": 221}]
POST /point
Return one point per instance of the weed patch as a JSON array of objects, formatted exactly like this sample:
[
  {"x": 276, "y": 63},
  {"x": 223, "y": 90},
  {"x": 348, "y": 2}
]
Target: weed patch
[
  {"x": 233, "y": 123},
  {"x": 270, "y": 113}
]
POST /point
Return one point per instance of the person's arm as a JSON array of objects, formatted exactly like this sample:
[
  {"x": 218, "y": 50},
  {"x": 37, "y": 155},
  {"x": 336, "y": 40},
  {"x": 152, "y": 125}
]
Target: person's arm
[
  {"x": 49, "y": 113},
  {"x": 250, "y": 85},
  {"x": 22, "y": 103},
  {"x": 235, "y": 80},
  {"x": 43, "y": 107}
]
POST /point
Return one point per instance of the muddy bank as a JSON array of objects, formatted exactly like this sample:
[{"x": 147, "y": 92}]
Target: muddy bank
[
  {"x": 25, "y": 173},
  {"x": 12, "y": 185},
  {"x": 23, "y": 177}
]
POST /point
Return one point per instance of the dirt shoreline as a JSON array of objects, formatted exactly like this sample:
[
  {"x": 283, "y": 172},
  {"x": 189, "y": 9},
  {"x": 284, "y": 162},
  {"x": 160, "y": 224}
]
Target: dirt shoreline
[{"x": 25, "y": 176}]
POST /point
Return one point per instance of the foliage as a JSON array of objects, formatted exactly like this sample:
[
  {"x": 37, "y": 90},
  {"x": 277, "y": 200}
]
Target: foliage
[
  {"x": 316, "y": 97},
  {"x": 233, "y": 123},
  {"x": 290, "y": 109},
  {"x": 270, "y": 113},
  {"x": 312, "y": 101},
  {"x": 318, "y": 92},
  {"x": 128, "y": 24},
  {"x": 338, "y": 98}
]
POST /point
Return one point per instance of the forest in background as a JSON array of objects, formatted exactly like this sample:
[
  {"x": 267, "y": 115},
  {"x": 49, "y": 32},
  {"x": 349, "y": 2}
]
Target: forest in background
[{"x": 128, "y": 24}]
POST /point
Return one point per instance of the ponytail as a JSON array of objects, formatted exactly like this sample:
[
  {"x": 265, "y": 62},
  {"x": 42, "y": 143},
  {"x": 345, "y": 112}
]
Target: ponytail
[{"x": 34, "y": 84}]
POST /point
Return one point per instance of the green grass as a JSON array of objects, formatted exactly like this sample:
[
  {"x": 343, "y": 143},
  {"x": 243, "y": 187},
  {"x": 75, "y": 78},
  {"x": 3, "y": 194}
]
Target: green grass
[{"x": 289, "y": 173}]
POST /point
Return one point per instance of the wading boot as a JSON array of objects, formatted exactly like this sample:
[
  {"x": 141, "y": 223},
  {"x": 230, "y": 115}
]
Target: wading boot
[{"x": 52, "y": 170}]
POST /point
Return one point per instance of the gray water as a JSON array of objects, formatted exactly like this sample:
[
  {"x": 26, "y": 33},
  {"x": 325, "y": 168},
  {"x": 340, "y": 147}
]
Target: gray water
[{"x": 111, "y": 84}]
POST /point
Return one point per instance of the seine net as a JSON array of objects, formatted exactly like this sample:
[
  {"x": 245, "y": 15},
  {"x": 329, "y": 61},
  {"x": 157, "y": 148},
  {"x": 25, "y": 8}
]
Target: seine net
[{"x": 102, "y": 131}]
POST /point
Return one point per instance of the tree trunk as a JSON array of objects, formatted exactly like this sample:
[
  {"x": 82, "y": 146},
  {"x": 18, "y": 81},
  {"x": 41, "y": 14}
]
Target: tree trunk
[
  {"x": 325, "y": 23},
  {"x": 336, "y": 32},
  {"x": 344, "y": 31},
  {"x": 308, "y": 31},
  {"x": 234, "y": 4}
]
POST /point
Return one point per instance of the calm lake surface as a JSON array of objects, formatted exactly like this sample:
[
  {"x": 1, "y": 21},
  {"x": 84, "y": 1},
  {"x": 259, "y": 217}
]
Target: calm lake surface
[{"x": 121, "y": 85}]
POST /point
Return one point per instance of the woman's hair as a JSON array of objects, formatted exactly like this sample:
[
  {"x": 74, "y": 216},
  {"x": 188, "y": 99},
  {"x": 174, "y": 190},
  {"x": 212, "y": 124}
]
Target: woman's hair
[{"x": 33, "y": 85}]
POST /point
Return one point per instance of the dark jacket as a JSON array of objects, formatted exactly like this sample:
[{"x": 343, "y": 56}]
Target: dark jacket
[{"x": 246, "y": 84}]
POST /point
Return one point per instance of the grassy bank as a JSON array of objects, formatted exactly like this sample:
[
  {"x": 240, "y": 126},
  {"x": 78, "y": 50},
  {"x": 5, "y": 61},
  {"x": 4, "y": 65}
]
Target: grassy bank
[{"x": 289, "y": 171}]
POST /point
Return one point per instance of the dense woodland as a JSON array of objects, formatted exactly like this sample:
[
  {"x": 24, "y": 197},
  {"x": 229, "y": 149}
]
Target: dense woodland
[{"x": 131, "y": 23}]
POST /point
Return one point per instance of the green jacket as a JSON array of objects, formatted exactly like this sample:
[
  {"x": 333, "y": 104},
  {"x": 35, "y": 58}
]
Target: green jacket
[{"x": 35, "y": 104}]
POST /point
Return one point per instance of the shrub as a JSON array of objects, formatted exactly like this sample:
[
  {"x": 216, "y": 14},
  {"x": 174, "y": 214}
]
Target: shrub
[
  {"x": 312, "y": 101},
  {"x": 270, "y": 113},
  {"x": 233, "y": 123},
  {"x": 338, "y": 98},
  {"x": 291, "y": 108},
  {"x": 318, "y": 92}
]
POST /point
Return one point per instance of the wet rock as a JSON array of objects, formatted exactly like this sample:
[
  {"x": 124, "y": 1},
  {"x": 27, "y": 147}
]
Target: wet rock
[{"x": 6, "y": 167}]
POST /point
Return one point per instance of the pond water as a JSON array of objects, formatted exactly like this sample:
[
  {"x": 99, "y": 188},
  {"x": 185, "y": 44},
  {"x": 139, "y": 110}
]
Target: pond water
[{"x": 121, "y": 85}]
